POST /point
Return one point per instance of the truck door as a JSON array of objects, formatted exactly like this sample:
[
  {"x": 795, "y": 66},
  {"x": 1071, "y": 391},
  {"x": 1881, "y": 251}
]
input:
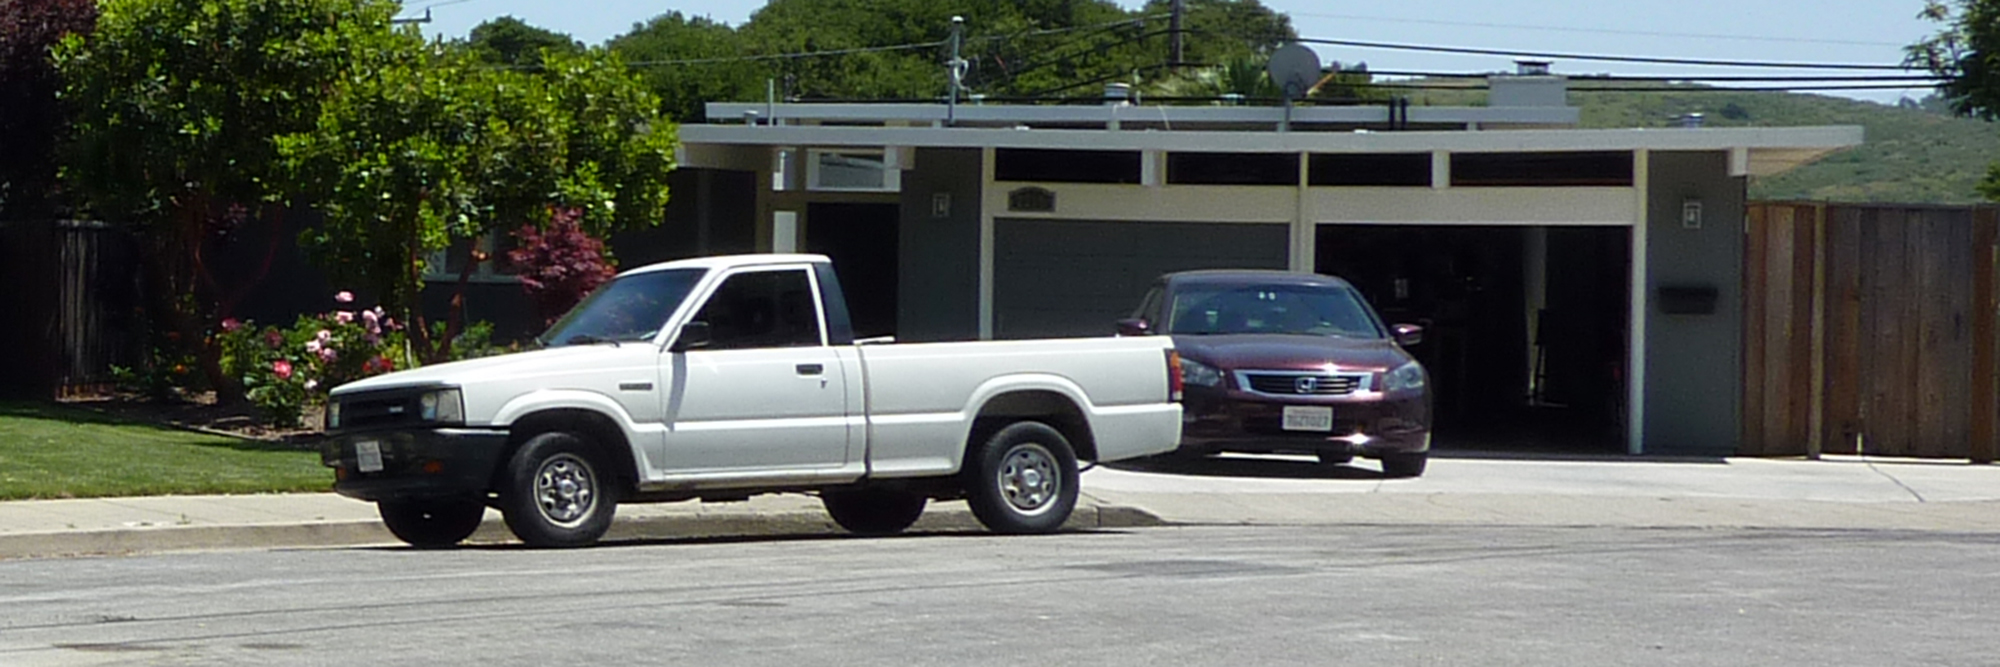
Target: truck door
[{"x": 766, "y": 392}]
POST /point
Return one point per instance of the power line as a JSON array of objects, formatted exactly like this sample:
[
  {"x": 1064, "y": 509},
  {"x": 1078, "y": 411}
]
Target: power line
[
  {"x": 1604, "y": 31},
  {"x": 1605, "y": 58},
  {"x": 876, "y": 49}
]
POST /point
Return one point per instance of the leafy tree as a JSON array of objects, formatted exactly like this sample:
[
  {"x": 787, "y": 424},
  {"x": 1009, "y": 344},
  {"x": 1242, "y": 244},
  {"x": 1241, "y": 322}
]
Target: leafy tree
[
  {"x": 511, "y": 42},
  {"x": 559, "y": 265},
  {"x": 175, "y": 104},
  {"x": 434, "y": 148},
  {"x": 1966, "y": 52},
  {"x": 30, "y": 119},
  {"x": 659, "y": 51}
]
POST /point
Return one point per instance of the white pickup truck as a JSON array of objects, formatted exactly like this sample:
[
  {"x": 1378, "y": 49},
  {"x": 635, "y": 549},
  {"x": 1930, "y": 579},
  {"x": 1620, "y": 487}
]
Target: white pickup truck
[{"x": 720, "y": 378}]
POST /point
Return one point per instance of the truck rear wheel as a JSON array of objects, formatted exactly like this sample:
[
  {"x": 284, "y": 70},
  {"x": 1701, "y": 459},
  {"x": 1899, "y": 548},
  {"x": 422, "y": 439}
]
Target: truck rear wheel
[
  {"x": 432, "y": 523},
  {"x": 874, "y": 511},
  {"x": 555, "y": 494},
  {"x": 1022, "y": 480}
]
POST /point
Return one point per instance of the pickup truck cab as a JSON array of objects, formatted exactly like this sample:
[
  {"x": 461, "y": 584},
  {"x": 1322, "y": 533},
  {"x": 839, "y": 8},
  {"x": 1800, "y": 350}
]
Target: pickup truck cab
[{"x": 719, "y": 378}]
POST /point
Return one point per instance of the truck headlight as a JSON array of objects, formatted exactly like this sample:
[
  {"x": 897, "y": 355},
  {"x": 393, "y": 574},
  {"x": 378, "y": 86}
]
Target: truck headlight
[
  {"x": 1407, "y": 376},
  {"x": 441, "y": 405},
  {"x": 332, "y": 414},
  {"x": 1199, "y": 374}
]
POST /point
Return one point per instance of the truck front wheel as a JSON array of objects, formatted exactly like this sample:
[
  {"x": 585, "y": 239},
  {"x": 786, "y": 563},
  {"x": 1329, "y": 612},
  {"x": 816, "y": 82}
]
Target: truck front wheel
[
  {"x": 554, "y": 493},
  {"x": 874, "y": 511},
  {"x": 1022, "y": 480},
  {"x": 432, "y": 523}
]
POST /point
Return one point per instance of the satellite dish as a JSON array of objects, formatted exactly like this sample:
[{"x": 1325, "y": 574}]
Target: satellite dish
[{"x": 1295, "y": 68}]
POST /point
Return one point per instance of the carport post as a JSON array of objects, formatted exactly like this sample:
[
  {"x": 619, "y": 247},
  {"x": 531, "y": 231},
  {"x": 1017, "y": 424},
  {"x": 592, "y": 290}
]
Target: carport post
[
  {"x": 1304, "y": 231},
  {"x": 1635, "y": 355}
]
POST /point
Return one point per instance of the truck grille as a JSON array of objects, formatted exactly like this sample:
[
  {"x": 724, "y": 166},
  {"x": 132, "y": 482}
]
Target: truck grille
[
  {"x": 1277, "y": 383},
  {"x": 379, "y": 409}
]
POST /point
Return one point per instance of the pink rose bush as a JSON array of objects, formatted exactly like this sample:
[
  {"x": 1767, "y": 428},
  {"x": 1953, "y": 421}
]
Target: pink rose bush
[{"x": 285, "y": 370}]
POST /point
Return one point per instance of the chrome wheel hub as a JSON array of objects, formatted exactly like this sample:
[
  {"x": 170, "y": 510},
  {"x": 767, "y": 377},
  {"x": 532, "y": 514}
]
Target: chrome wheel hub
[
  {"x": 1028, "y": 478},
  {"x": 565, "y": 489}
]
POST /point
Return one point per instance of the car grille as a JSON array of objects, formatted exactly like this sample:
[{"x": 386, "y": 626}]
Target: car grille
[
  {"x": 1304, "y": 384},
  {"x": 375, "y": 410}
]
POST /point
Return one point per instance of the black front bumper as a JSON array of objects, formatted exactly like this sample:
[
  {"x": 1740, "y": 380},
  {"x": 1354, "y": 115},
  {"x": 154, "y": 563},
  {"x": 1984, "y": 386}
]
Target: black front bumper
[
  {"x": 1234, "y": 421},
  {"x": 427, "y": 463}
]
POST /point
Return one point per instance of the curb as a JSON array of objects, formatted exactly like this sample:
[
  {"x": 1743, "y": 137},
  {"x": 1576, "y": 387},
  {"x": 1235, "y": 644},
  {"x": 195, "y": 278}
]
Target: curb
[{"x": 661, "y": 526}]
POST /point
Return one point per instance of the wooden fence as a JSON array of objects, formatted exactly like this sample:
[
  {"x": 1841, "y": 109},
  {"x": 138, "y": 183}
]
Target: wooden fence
[
  {"x": 1870, "y": 329},
  {"x": 69, "y": 291}
]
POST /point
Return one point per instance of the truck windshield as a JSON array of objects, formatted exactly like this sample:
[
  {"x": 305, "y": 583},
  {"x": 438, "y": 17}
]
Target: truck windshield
[
  {"x": 629, "y": 308},
  {"x": 1308, "y": 310}
]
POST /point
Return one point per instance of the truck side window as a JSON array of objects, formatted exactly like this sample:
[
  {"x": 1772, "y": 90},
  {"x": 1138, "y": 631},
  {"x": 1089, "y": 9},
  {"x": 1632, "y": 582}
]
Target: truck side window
[{"x": 762, "y": 309}]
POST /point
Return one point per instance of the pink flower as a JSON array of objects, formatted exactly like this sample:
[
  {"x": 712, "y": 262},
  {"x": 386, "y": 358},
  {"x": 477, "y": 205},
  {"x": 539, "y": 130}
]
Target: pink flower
[
  {"x": 373, "y": 321},
  {"x": 344, "y": 316},
  {"x": 230, "y": 324},
  {"x": 323, "y": 336},
  {"x": 282, "y": 368},
  {"x": 390, "y": 322},
  {"x": 344, "y": 296},
  {"x": 312, "y": 346},
  {"x": 327, "y": 355},
  {"x": 273, "y": 338}
]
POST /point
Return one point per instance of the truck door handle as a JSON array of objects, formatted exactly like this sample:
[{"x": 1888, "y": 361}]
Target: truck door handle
[{"x": 811, "y": 369}]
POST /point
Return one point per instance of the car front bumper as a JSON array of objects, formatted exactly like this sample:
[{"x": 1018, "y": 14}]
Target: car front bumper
[
  {"x": 415, "y": 463},
  {"x": 1233, "y": 421}
]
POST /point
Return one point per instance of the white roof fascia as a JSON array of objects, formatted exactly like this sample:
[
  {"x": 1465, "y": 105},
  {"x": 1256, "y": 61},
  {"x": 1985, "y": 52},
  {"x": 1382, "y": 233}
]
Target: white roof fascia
[
  {"x": 1011, "y": 114},
  {"x": 1819, "y": 139}
]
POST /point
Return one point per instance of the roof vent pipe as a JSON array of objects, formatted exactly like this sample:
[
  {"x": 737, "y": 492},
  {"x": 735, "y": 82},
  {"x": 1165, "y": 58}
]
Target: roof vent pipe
[
  {"x": 1531, "y": 67},
  {"x": 1116, "y": 94}
]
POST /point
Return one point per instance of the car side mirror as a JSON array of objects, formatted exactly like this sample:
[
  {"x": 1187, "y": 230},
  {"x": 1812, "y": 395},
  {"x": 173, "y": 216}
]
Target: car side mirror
[
  {"x": 693, "y": 335},
  {"x": 1408, "y": 334},
  {"x": 1134, "y": 326}
]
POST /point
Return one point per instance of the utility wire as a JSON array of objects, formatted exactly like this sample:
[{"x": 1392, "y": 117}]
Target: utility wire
[
  {"x": 874, "y": 49},
  {"x": 1605, "y": 58},
  {"x": 1602, "y": 31}
]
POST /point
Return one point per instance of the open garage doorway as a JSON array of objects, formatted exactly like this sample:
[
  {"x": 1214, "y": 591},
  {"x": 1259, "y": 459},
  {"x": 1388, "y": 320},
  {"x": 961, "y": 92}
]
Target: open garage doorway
[
  {"x": 1525, "y": 327},
  {"x": 862, "y": 241}
]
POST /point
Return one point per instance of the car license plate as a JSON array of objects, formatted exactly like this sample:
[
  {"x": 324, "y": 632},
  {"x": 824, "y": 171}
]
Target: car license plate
[
  {"x": 1308, "y": 418},
  {"x": 368, "y": 456}
]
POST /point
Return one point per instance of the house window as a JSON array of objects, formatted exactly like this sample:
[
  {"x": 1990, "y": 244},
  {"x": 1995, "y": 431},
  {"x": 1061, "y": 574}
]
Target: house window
[
  {"x": 446, "y": 265},
  {"x": 1065, "y": 166},
  {"x": 1233, "y": 169},
  {"x": 1579, "y": 169},
  {"x": 852, "y": 171},
  {"x": 1378, "y": 169}
]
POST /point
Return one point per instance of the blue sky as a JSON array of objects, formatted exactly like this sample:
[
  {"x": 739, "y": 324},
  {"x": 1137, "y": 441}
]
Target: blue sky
[{"x": 1844, "y": 31}]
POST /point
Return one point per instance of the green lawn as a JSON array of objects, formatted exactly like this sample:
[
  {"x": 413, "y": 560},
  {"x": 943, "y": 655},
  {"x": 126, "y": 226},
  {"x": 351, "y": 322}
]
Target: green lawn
[{"x": 55, "y": 452}]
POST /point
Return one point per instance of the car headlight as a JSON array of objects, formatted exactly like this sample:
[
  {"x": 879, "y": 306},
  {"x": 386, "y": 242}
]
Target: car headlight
[
  {"x": 1407, "y": 376},
  {"x": 1199, "y": 374},
  {"x": 441, "y": 405},
  {"x": 332, "y": 414}
]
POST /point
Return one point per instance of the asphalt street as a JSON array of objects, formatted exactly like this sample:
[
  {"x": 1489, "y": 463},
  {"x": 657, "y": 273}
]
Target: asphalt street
[{"x": 1207, "y": 595}]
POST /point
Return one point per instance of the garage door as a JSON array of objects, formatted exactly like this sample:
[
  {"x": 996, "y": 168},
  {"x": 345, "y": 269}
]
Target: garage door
[{"x": 1056, "y": 278}]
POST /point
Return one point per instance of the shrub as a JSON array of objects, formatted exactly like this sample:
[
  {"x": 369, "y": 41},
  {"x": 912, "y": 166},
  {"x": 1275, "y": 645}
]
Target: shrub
[
  {"x": 560, "y": 264},
  {"x": 284, "y": 370}
]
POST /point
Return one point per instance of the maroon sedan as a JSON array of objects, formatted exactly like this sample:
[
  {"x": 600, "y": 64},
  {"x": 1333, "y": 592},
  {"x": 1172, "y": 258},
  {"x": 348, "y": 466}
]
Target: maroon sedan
[{"x": 1275, "y": 362}]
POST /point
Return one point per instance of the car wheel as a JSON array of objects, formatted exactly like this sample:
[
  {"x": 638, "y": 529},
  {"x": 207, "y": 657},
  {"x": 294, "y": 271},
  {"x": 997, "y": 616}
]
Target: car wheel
[
  {"x": 1023, "y": 479},
  {"x": 556, "y": 494},
  {"x": 874, "y": 511},
  {"x": 1404, "y": 465},
  {"x": 1335, "y": 458},
  {"x": 432, "y": 523}
]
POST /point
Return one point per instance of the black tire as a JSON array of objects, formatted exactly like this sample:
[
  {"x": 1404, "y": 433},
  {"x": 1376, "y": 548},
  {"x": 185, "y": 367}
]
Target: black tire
[
  {"x": 1335, "y": 458},
  {"x": 432, "y": 523},
  {"x": 1021, "y": 480},
  {"x": 555, "y": 492},
  {"x": 874, "y": 511},
  {"x": 1401, "y": 466}
]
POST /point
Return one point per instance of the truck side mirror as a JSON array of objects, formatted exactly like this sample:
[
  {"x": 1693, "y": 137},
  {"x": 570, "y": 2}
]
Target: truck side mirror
[
  {"x": 1134, "y": 326},
  {"x": 693, "y": 335},
  {"x": 1408, "y": 334}
]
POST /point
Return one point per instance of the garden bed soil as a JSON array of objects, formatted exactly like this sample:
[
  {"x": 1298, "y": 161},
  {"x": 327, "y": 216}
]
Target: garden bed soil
[{"x": 201, "y": 412}]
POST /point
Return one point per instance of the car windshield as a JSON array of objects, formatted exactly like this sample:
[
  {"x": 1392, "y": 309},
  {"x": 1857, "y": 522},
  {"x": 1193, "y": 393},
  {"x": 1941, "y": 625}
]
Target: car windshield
[
  {"x": 1309, "y": 310},
  {"x": 629, "y": 308}
]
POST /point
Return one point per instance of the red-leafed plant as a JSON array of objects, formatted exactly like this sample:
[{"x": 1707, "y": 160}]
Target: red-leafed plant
[{"x": 560, "y": 263}]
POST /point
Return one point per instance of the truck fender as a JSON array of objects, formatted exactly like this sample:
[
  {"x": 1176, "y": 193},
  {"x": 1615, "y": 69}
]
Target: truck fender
[{"x": 571, "y": 399}]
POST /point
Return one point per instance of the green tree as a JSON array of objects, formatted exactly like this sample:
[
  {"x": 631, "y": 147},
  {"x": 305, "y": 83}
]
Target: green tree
[
  {"x": 174, "y": 106},
  {"x": 434, "y": 148},
  {"x": 30, "y": 119},
  {"x": 689, "y": 61},
  {"x": 1966, "y": 52},
  {"x": 512, "y": 42}
]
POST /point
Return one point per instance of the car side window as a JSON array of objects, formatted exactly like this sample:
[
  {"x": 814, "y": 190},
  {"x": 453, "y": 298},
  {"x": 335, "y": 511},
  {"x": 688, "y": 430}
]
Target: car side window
[
  {"x": 763, "y": 309},
  {"x": 1149, "y": 308}
]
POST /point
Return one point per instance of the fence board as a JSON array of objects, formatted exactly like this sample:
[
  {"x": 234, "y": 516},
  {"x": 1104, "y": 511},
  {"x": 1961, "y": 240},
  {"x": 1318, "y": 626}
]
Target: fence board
[
  {"x": 1755, "y": 259},
  {"x": 1985, "y": 307}
]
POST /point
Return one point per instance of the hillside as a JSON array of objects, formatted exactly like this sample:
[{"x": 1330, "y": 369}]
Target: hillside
[{"x": 1910, "y": 156}]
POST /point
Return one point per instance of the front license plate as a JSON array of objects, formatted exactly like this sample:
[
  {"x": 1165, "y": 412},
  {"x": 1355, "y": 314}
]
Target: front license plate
[
  {"x": 1308, "y": 418},
  {"x": 368, "y": 456}
]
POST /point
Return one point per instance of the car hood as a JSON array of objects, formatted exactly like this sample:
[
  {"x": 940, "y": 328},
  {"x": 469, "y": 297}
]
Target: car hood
[
  {"x": 460, "y": 373},
  {"x": 1291, "y": 352}
]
